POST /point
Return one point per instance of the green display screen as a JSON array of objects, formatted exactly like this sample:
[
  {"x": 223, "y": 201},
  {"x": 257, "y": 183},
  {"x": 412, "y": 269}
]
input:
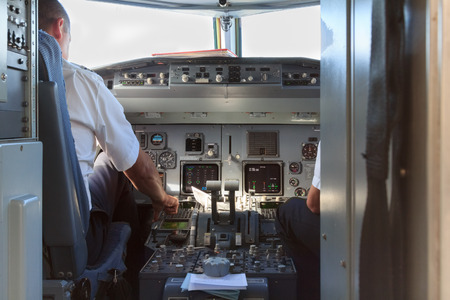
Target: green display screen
[{"x": 175, "y": 225}]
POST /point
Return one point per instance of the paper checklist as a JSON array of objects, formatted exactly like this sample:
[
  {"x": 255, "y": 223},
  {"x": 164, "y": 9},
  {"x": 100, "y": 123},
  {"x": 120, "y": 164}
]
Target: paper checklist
[{"x": 202, "y": 282}]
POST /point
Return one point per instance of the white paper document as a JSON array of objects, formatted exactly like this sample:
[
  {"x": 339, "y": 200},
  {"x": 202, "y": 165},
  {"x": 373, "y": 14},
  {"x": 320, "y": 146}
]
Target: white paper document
[
  {"x": 203, "y": 198},
  {"x": 227, "y": 282}
]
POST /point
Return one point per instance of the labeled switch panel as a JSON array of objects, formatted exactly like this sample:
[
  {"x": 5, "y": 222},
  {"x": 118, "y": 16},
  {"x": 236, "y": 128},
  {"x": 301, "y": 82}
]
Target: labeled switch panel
[{"x": 18, "y": 69}]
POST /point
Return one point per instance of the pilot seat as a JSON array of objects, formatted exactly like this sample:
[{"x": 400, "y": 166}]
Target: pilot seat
[{"x": 65, "y": 202}]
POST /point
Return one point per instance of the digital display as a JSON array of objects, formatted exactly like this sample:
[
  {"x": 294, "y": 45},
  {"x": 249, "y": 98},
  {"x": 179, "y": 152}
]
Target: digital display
[
  {"x": 265, "y": 178},
  {"x": 196, "y": 174},
  {"x": 174, "y": 225}
]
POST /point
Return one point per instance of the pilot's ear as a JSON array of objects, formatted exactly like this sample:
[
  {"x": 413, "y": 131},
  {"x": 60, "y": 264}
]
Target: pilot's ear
[{"x": 57, "y": 29}]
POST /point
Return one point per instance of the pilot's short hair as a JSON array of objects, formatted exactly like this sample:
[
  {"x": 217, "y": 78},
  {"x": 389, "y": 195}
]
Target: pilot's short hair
[{"x": 49, "y": 12}]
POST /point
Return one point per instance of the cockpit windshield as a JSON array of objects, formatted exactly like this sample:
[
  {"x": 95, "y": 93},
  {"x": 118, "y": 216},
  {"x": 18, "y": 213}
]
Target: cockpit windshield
[{"x": 105, "y": 33}]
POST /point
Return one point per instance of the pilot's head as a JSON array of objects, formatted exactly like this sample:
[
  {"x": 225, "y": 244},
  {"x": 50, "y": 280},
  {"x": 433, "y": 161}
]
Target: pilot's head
[{"x": 54, "y": 19}]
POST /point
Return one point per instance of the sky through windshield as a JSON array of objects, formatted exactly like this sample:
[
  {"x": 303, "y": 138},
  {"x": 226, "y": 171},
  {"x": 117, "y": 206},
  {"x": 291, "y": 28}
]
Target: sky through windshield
[{"x": 104, "y": 33}]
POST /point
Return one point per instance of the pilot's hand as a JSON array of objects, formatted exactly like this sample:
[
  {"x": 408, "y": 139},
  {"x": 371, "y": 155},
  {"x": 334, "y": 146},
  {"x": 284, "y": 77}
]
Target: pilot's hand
[{"x": 169, "y": 205}]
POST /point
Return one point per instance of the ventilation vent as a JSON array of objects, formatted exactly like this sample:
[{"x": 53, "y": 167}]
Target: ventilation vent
[{"x": 262, "y": 143}]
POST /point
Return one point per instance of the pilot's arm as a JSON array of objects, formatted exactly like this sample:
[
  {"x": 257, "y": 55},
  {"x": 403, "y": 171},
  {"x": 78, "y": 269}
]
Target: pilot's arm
[
  {"x": 313, "y": 200},
  {"x": 145, "y": 178}
]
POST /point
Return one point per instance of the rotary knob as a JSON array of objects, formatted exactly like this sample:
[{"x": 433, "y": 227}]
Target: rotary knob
[
  {"x": 216, "y": 266},
  {"x": 185, "y": 77},
  {"x": 219, "y": 78}
]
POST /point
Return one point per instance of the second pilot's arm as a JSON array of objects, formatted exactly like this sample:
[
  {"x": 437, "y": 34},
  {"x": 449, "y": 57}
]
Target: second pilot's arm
[{"x": 313, "y": 200}]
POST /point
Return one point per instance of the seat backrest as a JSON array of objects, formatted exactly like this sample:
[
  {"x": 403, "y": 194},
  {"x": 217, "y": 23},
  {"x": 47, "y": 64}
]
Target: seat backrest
[{"x": 65, "y": 202}]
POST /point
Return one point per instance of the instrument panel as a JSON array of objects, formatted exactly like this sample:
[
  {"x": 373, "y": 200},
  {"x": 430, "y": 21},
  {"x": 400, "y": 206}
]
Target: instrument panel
[
  {"x": 269, "y": 161},
  {"x": 245, "y": 131}
]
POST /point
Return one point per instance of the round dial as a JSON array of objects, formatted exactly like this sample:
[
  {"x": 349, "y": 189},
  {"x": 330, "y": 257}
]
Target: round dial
[
  {"x": 167, "y": 160},
  {"x": 300, "y": 192},
  {"x": 294, "y": 181},
  {"x": 295, "y": 168},
  {"x": 309, "y": 151}
]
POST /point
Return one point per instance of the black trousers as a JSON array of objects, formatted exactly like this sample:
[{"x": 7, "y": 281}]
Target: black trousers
[{"x": 299, "y": 230}]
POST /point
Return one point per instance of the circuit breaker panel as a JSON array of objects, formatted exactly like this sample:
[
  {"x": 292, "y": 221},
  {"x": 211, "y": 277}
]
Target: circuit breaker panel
[{"x": 18, "y": 69}]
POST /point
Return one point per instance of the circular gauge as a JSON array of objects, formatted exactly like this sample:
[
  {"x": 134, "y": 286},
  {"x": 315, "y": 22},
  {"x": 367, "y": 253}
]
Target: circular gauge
[
  {"x": 309, "y": 151},
  {"x": 156, "y": 139},
  {"x": 294, "y": 181},
  {"x": 295, "y": 167},
  {"x": 152, "y": 156},
  {"x": 167, "y": 160},
  {"x": 300, "y": 192}
]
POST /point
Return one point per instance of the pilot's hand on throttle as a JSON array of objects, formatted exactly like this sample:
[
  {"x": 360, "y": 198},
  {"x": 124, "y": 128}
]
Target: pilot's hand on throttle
[{"x": 169, "y": 205}]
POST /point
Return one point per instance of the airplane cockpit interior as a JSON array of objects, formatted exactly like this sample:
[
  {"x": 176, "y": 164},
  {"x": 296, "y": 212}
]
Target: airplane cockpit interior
[
  {"x": 228, "y": 154},
  {"x": 237, "y": 121},
  {"x": 233, "y": 138}
]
